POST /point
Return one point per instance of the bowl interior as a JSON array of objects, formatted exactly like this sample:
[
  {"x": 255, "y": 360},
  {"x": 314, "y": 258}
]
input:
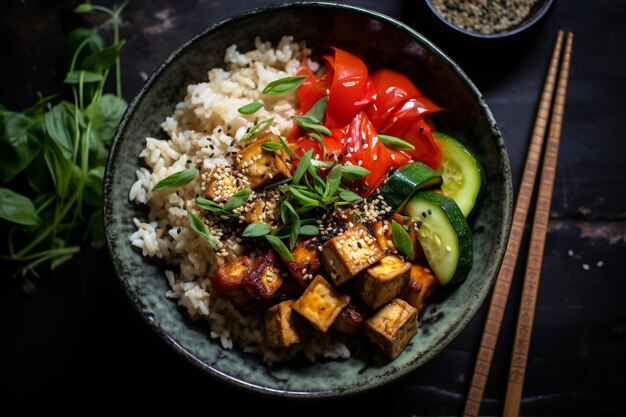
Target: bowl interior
[{"x": 389, "y": 44}]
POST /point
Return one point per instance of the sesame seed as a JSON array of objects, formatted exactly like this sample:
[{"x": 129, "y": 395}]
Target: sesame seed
[
  {"x": 586, "y": 267},
  {"x": 600, "y": 264}
]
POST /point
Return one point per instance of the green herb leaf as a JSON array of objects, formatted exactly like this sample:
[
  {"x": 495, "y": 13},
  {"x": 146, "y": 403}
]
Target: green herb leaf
[
  {"x": 272, "y": 146},
  {"x": 59, "y": 123},
  {"x": 317, "y": 163},
  {"x": 92, "y": 193},
  {"x": 212, "y": 206},
  {"x": 198, "y": 226},
  {"x": 309, "y": 230},
  {"x": 88, "y": 77},
  {"x": 103, "y": 59},
  {"x": 250, "y": 108},
  {"x": 305, "y": 125},
  {"x": 317, "y": 112},
  {"x": 87, "y": 40},
  {"x": 350, "y": 196},
  {"x": 394, "y": 142},
  {"x": 279, "y": 247},
  {"x": 306, "y": 198},
  {"x": 283, "y": 85},
  {"x": 95, "y": 230},
  {"x": 21, "y": 139},
  {"x": 238, "y": 199},
  {"x": 353, "y": 172},
  {"x": 257, "y": 130},
  {"x": 302, "y": 167},
  {"x": 256, "y": 230},
  {"x": 17, "y": 208},
  {"x": 401, "y": 239},
  {"x": 105, "y": 115},
  {"x": 332, "y": 182},
  {"x": 176, "y": 180},
  {"x": 83, "y": 8}
]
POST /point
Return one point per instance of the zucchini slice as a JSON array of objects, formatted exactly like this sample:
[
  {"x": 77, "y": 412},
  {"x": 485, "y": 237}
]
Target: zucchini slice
[
  {"x": 404, "y": 182},
  {"x": 443, "y": 234},
  {"x": 463, "y": 176}
]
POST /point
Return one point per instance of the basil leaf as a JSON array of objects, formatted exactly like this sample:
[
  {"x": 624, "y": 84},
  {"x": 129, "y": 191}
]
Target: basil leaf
[
  {"x": 309, "y": 230},
  {"x": 272, "y": 146},
  {"x": 73, "y": 77},
  {"x": 59, "y": 124},
  {"x": 198, "y": 226},
  {"x": 92, "y": 193},
  {"x": 250, "y": 108},
  {"x": 401, "y": 239},
  {"x": 256, "y": 130},
  {"x": 350, "y": 196},
  {"x": 395, "y": 143},
  {"x": 279, "y": 247},
  {"x": 302, "y": 167},
  {"x": 17, "y": 208},
  {"x": 91, "y": 43},
  {"x": 238, "y": 199},
  {"x": 353, "y": 172},
  {"x": 316, "y": 114},
  {"x": 105, "y": 115},
  {"x": 176, "y": 180},
  {"x": 332, "y": 182},
  {"x": 283, "y": 85},
  {"x": 256, "y": 230},
  {"x": 21, "y": 139},
  {"x": 103, "y": 59}
]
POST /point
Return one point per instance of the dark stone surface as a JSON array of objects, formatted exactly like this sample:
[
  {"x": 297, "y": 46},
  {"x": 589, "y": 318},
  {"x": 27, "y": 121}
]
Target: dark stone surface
[{"x": 78, "y": 346}]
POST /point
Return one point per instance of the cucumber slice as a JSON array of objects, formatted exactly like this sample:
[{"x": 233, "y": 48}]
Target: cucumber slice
[
  {"x": 443, "y": 234},
  {"x": 463, "y": 176},
  {"x": 401, "y": 185}
]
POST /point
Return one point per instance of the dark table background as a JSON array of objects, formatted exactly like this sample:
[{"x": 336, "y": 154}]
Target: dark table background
[{"x": 78, "y": 346}]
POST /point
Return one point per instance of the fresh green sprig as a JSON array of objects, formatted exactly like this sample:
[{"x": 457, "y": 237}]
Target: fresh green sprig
[
  {"x": 177, "y": 179},
  {"x": 401, "y": 239},
  {"x": 238, "y": 199},
  {"x": 256, "y": 130},
  {"x": 395, "y": 143},
  {"x": 59, "y": 152},
  {"x": 283, "y": 85},
  {"x": 250, "y": 108},
  {"x": 198, "y": 226}
]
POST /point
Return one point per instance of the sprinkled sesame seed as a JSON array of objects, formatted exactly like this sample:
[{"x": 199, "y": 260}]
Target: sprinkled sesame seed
[{"x": 586, "y": 267}]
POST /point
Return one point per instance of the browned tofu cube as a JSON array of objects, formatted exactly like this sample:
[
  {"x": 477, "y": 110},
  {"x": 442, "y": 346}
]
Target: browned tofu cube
[
  {"x": 382, "y": 282},
  {"x": 306, "y": 262},
  {"x": 261, "y": 211},
  {"x": 220, "y": 184},
  {"x": 391, "y": 328},
  {"x": 350, "y": 320},
  {"x": 262, "y": 167},
  {"x": 349, "y": 253},
  {"x": 421, "y": 287},
  {"x": 250, "y": 283},
  {"x": 321, "y": 304},
  {"x": 282, "y": 328}
]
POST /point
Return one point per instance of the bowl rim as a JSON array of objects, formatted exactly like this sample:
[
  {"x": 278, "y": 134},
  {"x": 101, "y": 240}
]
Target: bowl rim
[
  {"x": 214, "y": 371},
  {"x": 501, "y": 35}
]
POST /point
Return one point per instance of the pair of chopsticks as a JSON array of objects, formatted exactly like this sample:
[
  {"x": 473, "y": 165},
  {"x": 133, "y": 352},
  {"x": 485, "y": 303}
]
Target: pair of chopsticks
[{"x": 561, "y": 56}]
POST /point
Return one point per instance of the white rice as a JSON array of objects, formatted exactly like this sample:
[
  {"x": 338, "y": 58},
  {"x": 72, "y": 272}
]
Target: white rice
[{"x": 205, "y": 129}]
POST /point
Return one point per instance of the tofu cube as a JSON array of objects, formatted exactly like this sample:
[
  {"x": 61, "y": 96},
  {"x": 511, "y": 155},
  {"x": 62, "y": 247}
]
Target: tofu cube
[
  {"x": 349, "y": 253},
  {"x": 262, "y": 167},
  {"x": 221, "y": 184},
  {"x": 350, "y": 320},
  {"x": 382, "y": 282},
  {"x": 321, "y": 304},
  {"x": 306, "y": 262},
  {"x": 282, "y": 328},
  {"x": 261, "y": 211},
  {"x": 421, "y": 287},
  {"x": 391, "y": 328}
]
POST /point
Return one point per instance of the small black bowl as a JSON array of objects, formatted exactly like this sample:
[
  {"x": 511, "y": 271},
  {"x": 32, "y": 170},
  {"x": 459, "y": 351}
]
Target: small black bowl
[{"x": 537, "y": 12}]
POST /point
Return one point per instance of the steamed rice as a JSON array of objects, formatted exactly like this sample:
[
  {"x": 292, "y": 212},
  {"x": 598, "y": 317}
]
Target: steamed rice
[{"x": 205, "y": 131}]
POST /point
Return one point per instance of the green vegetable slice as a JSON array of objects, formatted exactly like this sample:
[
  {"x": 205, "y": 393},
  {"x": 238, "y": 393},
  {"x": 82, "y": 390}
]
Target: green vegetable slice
[
  {"x": 401, "y": 186},
  {"x": 443, "y": 234},
  {"x": 463, "y": 176}
]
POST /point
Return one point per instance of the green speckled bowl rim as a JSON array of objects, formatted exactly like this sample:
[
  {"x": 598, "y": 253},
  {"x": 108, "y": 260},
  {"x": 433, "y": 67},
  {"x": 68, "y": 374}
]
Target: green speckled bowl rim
[{"x": 473, "y": 304}]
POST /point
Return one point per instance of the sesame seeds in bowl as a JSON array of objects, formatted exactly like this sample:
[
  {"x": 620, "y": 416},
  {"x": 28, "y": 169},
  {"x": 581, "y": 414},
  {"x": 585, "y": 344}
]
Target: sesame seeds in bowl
[{"x": 481, "y": 19}]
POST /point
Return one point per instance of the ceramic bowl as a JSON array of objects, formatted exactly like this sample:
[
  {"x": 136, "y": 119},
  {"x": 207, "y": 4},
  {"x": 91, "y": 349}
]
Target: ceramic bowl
[
  {"x": 538, "y": 11},
  {"x": 383, "y": 42}
]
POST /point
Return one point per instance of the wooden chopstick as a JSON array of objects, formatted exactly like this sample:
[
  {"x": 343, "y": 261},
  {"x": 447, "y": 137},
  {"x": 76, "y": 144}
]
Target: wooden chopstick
[
  {"x": 537, "y": 241},
  {"x": 505, "y": 276}
]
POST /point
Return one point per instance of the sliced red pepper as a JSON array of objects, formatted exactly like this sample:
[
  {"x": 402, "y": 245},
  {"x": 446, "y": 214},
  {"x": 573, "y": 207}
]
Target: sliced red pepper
[
  {"x": 403, "y": 117},
  {"x": 426, "y": 148},
  {"x": 313, "y": 88},
  {"x": 392, "y": 89},
  {"x": 349, "y": 90}
]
